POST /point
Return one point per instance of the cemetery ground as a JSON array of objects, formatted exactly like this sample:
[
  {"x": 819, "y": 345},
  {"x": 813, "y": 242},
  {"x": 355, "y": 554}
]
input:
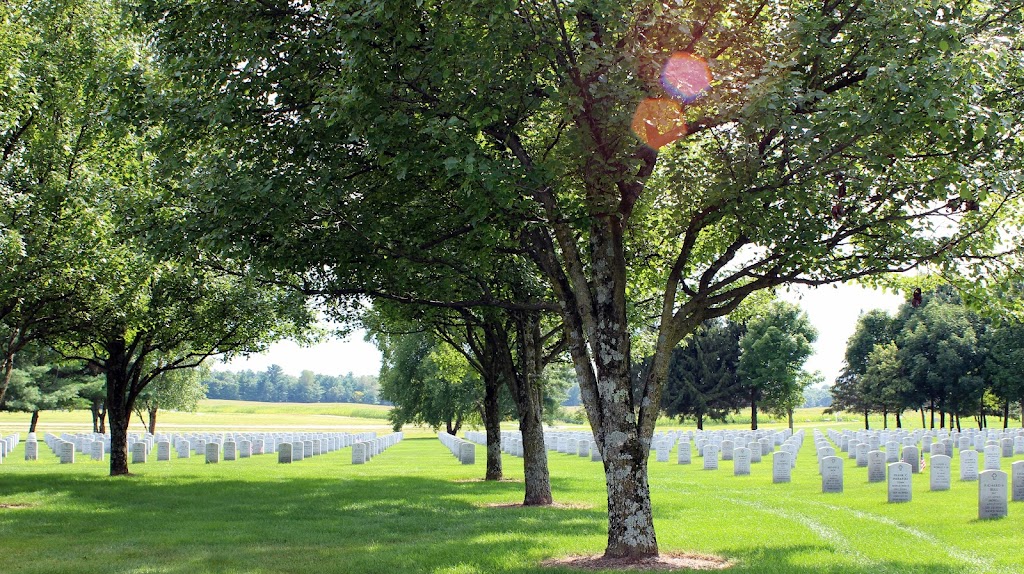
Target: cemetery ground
[{"x": 414, "y": 508}]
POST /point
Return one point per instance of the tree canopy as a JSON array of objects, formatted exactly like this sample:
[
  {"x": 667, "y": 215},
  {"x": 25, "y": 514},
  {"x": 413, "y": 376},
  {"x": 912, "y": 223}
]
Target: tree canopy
[{"x": 368, "y": 147}]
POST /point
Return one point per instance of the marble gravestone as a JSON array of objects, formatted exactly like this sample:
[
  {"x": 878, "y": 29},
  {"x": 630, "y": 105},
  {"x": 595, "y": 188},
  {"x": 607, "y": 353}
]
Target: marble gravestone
[
  {"x": 140, "y": 452},
  {"x": 284, "y": 453},
  {"x": 899, "y": 482},
  {"x": 968, "y": 465},
  {"x": 31, "y": 450},
  {"x": 782, "y": 467},
  {"x": 939, "y": 471},
  {"x": 710, "y": 457},
  {"x": 741, "y": 461},
  {"x": 97, "y": 450},
  {"x": 912, "y": 457},
  {"x": 212, "y": 453},
  {"x": 876, "y": 466},
  {"x": 684, "y": 456},
  {"x": 755, "y": 451},
  {"x": 1017, "y": 488},
  {"x": 992, "y": 494},
  {"x": 832, "y": 474}
]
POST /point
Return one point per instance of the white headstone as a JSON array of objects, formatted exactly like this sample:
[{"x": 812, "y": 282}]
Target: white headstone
[
  {"x": 467, "y": 453},
  {"x": 939, "y": 471},
  {"x": 212, "y": 453},
  {"x": 32, "y": 450},
  {"x": 67, "y": 452},
  {"x": 876, "y": 466},
  {"x": 299, "y": 451},
  {"x": 284, "y": 453},
  {"x": 862, "y": 454},
  {"x": 741, "y": 461},
  {"x": 1006, "y": 445},
  {"x": 163, "y": 450},
  {"x": 912, "y": 457},
  {"x": 782, "y": 467},
  {"x": 97, "y": 450},
  {"x": 245, "y": 449},
  {"x": 969, "y": 465},
  {"x": 831, "y": 474},
  {"x": 710, "y": 457},
  {"x": 727, "y": 447},
  {"x": 992, "y": 494},
  {"x": 1017, "y": 470},
  {"x": 685, "y": 455},
  {"x": 755, "y": 451},
  {"x": 992, "y": 456},
  {"x": 899, "y": 482},
  {"x": 583, "y": 444},
  {"x": 892, "y": 451}
]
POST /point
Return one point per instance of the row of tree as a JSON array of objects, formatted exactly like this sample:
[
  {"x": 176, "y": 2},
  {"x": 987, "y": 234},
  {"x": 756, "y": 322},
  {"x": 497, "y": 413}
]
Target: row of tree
[
  {"x": 84, "y": 273},
  {"x": 472, "y": 167},
  {"x": 755, "y": 361},
  {"x": 935, "y": 355},
  {"x": 273, "y": 385}
]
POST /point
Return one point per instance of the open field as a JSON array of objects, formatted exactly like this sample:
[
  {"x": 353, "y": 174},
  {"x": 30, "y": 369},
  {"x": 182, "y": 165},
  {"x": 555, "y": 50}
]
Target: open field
[{"x": 415, "y": 509}]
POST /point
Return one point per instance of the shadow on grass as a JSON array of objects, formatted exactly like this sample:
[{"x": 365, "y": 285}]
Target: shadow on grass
[{"x": 387, "y": 524}]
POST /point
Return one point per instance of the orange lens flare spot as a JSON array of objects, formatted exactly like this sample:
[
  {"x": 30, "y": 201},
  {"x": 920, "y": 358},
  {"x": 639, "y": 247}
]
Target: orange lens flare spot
[
  {"x": 659, "y": 122},
  {"x": 685, "y": 76}
]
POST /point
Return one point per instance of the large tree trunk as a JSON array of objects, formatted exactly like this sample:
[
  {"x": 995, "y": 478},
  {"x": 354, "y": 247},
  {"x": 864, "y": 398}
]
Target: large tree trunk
[
  {"x": 630, "y": 523},
  {"x": 867, "y": 423},
  {"x": 885, "y": 419},
  {"x": 35, "y": 420},
  {"x": 790, "y": 419},
  {"x": 152, "y": 419},
  {"x": 942, "y": 418},
  {"x": 1006, "y": 414},
  {"x": 931, "y": 410},
  {"x": 99, "y": 416},
  {"x": 700, "y": 421},
  {"x": 924, "y": 422},
  {"x": 119, "y": 417},
  {"x": 8, "y": 370},
  {"x": 753, "y": 411},
  {"x": 119, "y": 403},
  {"x": 899, "y": 419},
  {"x": 492, "y": 427}
]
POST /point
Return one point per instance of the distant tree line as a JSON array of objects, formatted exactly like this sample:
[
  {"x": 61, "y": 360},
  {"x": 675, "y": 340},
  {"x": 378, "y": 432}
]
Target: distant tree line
[
  {"x": 274, "y": 386},
  {"x": 936, "y": 356}
]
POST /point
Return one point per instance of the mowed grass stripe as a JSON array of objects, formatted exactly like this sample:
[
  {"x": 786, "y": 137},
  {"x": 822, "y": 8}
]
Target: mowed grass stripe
[{"x": 416, "y": 509}]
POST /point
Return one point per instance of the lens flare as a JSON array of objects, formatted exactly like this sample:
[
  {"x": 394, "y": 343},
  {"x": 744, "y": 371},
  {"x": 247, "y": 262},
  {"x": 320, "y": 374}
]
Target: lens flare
[
  {"x": 685, "y": 76},
  {"x": 658, "y": 122}
]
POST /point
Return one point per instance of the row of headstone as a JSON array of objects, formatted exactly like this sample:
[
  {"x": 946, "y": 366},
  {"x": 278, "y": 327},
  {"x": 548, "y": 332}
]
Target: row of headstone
[
  {"x": 511, "y": 441},
  {"x": 992, "y": 482},
  {"x": 363, "y": 451},
  {"x": 463, "y": 450},
  {"x": 229, "y": 446},
  {"x": 936, "y": 441},
  {"x": 7, "y": 445}
]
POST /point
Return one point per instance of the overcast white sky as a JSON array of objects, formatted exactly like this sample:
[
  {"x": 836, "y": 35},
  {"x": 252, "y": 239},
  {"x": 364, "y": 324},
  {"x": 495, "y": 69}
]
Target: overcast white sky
[{"x": 833, "y": 310}]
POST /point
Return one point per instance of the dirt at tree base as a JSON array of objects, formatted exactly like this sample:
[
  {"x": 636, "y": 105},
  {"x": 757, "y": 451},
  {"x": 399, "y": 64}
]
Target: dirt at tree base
[{"x": 665, "y": 562}]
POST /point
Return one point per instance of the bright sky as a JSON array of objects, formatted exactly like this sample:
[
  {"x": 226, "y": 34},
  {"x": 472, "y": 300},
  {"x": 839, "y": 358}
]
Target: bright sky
[{"x": 832, "y": 310}]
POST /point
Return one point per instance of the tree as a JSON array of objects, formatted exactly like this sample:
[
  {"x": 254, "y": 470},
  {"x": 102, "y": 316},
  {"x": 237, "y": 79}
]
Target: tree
[
  {"x": 885, "y": 385},
  {"x": 429, "y": 383},
  {"x": 822, "y": 145},
  {"x": 1004, "y": 363},
  {"x": 702, "y": 377},
  {"x": 59, "y": 65},
  {"x": 874, "y": 328},
  {"x": 773, "y": 351},
  {"x": 179, "y": 390},
  {"x": 43, "y": 382},
  {"x": 939, "y": 352}
]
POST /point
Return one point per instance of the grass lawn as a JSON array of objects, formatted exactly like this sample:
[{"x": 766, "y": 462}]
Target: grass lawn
[{"x": 414, "y": 508}]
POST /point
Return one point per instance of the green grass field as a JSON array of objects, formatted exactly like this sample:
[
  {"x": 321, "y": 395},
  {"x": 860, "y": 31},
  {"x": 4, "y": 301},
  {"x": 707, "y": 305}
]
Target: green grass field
[{"x": 415, "y": 509}]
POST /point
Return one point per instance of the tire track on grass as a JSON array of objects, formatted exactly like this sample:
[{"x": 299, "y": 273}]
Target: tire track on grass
[
  {"x": 965, "y": 556},
  {"x": 836, "y": 540}
]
